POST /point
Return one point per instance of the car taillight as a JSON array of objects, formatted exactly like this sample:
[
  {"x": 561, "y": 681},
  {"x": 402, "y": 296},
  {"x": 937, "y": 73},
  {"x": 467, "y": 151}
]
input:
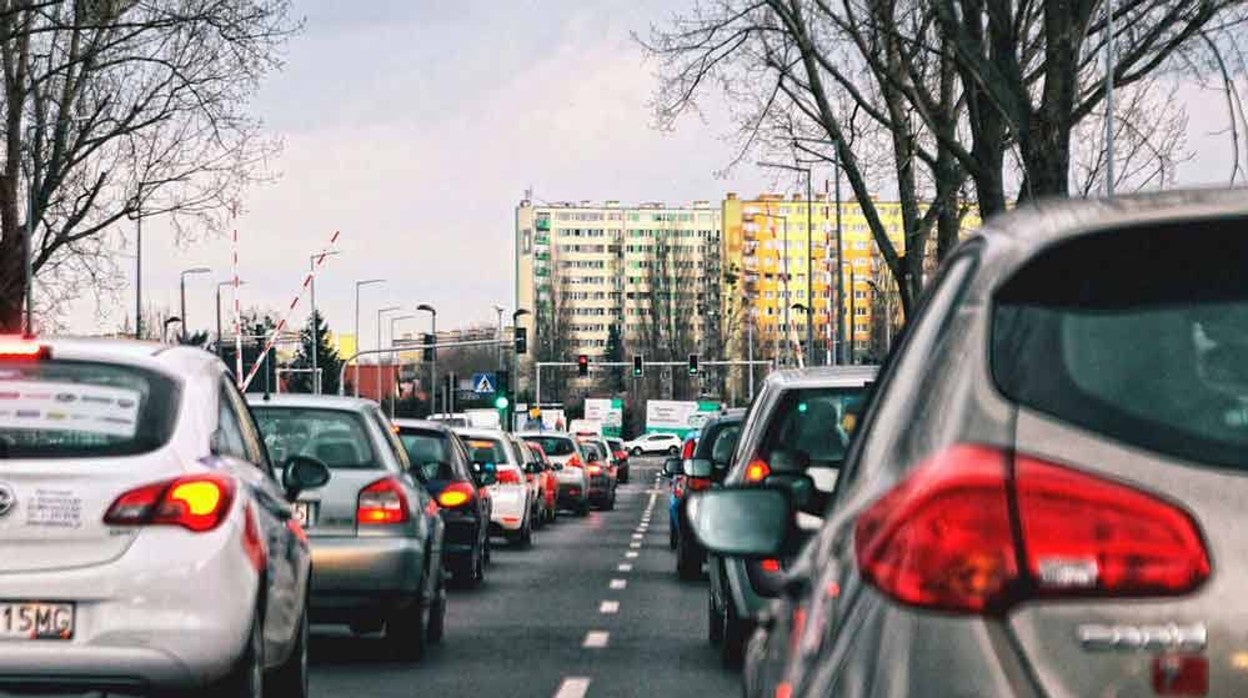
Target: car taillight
[
  {"x": 757, "y": 471},
  {"x": 196, "y": 502},
  {"x": 382, "y": 502},
  {"x": 19, "y": 348},
  {"x": 575, "y": 462},
  {"x": 686, "y": 451},
  {"x": 456, "y": 494},
  {"x": 770, "y": 564},
  {"x": 621, "y": 456},
  {"x": 253, "y": 542},
  {"x": 508, "y": 477},
  {"x": 697, "y": 484},
  {"x": 945, "y": 537},
  {"x": 594, "y": 469}
]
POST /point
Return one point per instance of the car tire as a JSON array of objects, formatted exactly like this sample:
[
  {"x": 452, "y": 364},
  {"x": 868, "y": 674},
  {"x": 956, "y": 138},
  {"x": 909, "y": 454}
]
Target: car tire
[
  {"x": 246, "y": 677},
  {"x": 436, "y": 626},
  {"x": 582, "y": 509},
  {"x": 714, "y": 622},
  {"x": 407, "y": 630},
  {"x": 636, "y": 451},
  {"x": 290, "y": 680},
  {"x": 688, "y": 564},
  {"x": 732, "y": 645},
  {"x": 671, "y": 537}
]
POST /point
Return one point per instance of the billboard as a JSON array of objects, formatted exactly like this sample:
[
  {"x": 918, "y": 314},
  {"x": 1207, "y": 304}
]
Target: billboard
[
  {"x": 609, "y": 411},
  {"x": 678, "y": 416}
]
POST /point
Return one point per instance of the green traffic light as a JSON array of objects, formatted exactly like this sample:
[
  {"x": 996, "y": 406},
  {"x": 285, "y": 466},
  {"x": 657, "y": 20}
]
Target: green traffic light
[{"x": 501, "y": 402}]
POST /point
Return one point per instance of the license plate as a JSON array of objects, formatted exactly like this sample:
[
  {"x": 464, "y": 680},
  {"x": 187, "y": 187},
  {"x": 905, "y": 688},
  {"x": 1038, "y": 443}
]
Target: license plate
[
  {"x": 305, "y": 514},
  {"x": 34, "y": 620}
]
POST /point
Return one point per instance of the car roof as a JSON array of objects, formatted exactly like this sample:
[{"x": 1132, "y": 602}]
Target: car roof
[
  {"x": 334, "y": 402},
  {"x": 558, "y": 434},
  {"x": 824, "y": 377},
  {"x": 173, "y": 360},
  {"x": 422, "y": 424},
  {"x": 481, "y": 433}
]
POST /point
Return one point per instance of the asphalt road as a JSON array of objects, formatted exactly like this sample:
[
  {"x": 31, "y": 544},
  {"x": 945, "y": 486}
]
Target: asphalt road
[{"x": 544, "y": 623}]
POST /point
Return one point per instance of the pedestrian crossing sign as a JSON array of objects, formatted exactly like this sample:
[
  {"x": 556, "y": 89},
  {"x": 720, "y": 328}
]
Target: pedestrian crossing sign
[{"x": 483, "y": 383}]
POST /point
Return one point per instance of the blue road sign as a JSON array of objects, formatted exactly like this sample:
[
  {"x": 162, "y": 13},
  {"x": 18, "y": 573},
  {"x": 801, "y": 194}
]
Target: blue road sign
[{"x": 483, "y": 383}]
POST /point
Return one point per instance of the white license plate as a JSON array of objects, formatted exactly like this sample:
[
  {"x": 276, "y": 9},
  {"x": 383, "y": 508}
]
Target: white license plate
[
  {"x": 34, "y": 620},
  {"x": 305, "y": 514}
]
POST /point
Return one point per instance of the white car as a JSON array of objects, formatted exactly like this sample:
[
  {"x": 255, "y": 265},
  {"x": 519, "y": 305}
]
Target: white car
[
  {"x": 146, "y": 543},
  {"x": 512, "y": 495},
  {"x": 656, "y": 443}
]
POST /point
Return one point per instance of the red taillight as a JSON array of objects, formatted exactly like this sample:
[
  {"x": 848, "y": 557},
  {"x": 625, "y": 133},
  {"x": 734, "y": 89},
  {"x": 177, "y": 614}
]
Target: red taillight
[
  {"x": 382, "y": 502},
  {"x": 253, "y": 542},
  {"x": 757, "y": 471},
  {"x": 697, "y": 484},
  {"x": 18, "y": 348},
  {"x": 770, "y": 564},
  {"x": 196, "y": 502},
  {"x": 594, "y": 470},
  {"x": 944, "y": 537},
  {"x": 506, "y": 476},
  {"x": 456, "y": 494},
  {"x": 686, "y": 451},
  {"x": 574, "y": 462},
  {"x": 621, "y": 456}
]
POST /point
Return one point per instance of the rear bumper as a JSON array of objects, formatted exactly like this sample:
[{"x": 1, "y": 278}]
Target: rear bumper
[
  {"x": 364, "y": 573},
  {"x": 510, "y": 506}
]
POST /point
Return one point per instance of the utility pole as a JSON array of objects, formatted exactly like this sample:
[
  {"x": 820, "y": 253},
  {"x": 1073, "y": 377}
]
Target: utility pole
[
  {"x": 1109, "y": 98},
  {"x": 840, "y": 276},
  {"x": 433, "y": 363},
  {"x": 356, "y": 383}
]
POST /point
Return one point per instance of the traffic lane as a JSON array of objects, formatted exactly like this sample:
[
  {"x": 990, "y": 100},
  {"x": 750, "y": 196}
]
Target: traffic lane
[{"x": 522, "y": 632}]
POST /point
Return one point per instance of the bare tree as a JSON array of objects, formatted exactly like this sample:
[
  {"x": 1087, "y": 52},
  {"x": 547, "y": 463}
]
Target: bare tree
[{"x": 116, "y": 109}]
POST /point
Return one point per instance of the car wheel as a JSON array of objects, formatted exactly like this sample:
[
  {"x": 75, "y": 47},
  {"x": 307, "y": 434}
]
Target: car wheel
[
  {"x": 526, "y": 535},
  {"x": 636, "y": 450},
  {"x": 437, "y": 614},
  {"x": 732, "y": 646},
  {"x": 582, "y": 509},
  {"x": 290, "y": 680},
  {"x": 688, "y": 565},
  {"x": 406, "y": 631},
  {"x": 671, "y": 537},
  {"x": 246, "y": 677},
  {"x": 714, "y": 622}
]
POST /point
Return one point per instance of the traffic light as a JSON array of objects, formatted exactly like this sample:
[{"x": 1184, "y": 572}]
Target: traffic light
[
  {"x": 428, "y": 340},
  {"x": 693, "y": 364},
  {"x": 582, "y": 365},
  {"x": 639, "y": 366},
  {"x": 502, "y": 398},
  {"x": 522, "y": 340}
]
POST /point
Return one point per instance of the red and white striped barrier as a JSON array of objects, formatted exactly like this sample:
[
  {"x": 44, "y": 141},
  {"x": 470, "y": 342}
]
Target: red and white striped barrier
[{"x": 290, "y": 309}]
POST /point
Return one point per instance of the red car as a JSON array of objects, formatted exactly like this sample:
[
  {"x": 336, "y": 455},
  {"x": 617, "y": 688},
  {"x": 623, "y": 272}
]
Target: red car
[{"x": 548, "y": 484}]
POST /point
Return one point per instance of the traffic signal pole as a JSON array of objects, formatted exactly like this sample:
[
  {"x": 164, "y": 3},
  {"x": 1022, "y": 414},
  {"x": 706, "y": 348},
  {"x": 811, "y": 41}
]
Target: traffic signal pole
[{"x": 537, "y": 392}]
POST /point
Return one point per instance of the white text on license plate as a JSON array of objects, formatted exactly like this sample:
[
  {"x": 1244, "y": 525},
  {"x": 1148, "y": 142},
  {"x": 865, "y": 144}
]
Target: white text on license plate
[{"x": 34, "y": 620}]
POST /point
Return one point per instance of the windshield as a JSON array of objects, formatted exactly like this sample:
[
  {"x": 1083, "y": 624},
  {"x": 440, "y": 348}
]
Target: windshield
[
  {"x": 64, "y": 409},
  {"x": 335, "y": 437}
]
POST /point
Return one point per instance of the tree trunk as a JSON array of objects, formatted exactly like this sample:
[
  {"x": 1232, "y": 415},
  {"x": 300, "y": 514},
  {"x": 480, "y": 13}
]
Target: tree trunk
[{"x": 12, "y": 283}]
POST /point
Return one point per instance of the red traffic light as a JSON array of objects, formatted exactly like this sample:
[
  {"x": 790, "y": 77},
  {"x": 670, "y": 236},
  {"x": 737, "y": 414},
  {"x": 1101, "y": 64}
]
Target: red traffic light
[{"x": 582, "y": 365}]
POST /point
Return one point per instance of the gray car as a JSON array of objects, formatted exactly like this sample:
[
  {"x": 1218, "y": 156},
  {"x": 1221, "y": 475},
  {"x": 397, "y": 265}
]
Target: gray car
[
  {"x": 375, "y": 532},
  {"x": 798, "y": 426},
  {"x": 1046, "y": 495}
]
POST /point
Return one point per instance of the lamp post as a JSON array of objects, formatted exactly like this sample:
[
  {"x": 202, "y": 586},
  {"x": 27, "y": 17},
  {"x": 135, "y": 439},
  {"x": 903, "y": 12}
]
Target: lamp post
[
  {"x": 377, "y": 373},
  {"x": 220, "y": 285},
  {"x": 433, "y": 364},
  {"x": 316, "y": 336},
  {"x": 182, "y": 291},
  {"x": 500, "y": 310},
  {"x": 358, "y": 285},
  {"x": 810, "y": 280},
  {"x": 394, "y": 355}
]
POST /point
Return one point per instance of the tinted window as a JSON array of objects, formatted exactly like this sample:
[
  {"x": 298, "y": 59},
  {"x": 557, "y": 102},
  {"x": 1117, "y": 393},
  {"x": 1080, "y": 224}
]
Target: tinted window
[
  {"x": 429, "y": 451},
  {"x": 812, "y": 422},
  {"x": 70, "y": 409},
  {"x": 552, "y": 445},
  {"x": 725, "y": 442},
  {"x": 486, "y": 450},
  {"x": 336, "y": 437},
  {"x": 1153, "y": 352}
]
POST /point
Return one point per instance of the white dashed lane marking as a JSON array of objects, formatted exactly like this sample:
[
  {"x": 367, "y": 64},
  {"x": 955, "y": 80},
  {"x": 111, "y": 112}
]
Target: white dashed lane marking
[
  {"x": 631, "y": 554},
  {"x": 634, "y": 545},
  {"x": 625, "y": 567},
  {"x": 609, "y": 607},
  {"x": 596, "y": 639},
  {"x": 573, "y": 687},
  {"x": 618, "y": 583},
  {"x": 638, "y": 536}
]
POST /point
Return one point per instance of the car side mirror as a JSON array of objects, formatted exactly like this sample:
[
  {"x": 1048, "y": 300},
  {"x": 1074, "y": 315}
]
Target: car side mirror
[
  {"x": 301, "y": 473},
  {"x": 698, "y": 467},
  {"x": 740, "y": 522},
  {"x": 799, "y": 487},
  {"x": 672, "y": 467},
  {"x": 487, "y": 473}
]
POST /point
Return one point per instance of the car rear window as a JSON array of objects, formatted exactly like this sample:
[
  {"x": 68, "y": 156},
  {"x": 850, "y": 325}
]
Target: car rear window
[
  {"x": 553, "y": 445},
  {"x": 73, "y": 409},
  {"x": 336, "y": 437},
  {"x": 483, "y": 450},
  {"x": 425, "y": 446},
  {"x": 1140, "y": 335},
  {"x": 813, "y": 422}
]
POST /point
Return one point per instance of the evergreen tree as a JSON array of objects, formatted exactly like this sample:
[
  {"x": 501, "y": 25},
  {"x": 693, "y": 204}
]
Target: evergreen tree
[{"x": 327, "y": 358}]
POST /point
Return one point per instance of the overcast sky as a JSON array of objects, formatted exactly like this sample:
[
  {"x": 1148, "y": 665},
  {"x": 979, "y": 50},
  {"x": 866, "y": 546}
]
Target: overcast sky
[{"x": 414, "y": 127}]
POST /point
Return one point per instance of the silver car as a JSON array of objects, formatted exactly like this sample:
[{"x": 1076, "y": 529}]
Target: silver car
[
  {"x": 146, "y": 540},
  {"x": 561, "y": 448},
  {"x": 1046, "y": 496},
  {"x": 376, "y": 534},
  {"x": 798, "y": 426}
]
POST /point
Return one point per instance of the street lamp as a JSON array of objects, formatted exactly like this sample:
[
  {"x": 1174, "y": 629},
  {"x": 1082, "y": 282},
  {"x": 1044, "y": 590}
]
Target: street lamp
[
  {"x": 182, "y": 284},
  {"x": 433, "y": 365},
  {"x": 500, "y": 310},
  {"x": 393, "y": 355},
  {"x": 220, "y": 285},
  {"x": 316, "y": 338},
  {"x": 380, "y": 312},
  {"x": 810, "y": 218},
  {"x": 358, "y": 285}
]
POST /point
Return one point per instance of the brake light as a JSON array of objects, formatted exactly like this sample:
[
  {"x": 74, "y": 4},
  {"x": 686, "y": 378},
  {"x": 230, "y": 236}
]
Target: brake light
[
  {"x": 18, "y": 348},
  {"x": 594, "y": 469},
  {"x": 770, "y": 564},
  {"x": 686, "y": 451},
  {"x": 757, "y": 471},
  {"x": 575, "y": 462},
  {"x": 697, "y": 484},
  {"x": 456, "y": 494},
  {"x": 508, "y": 477},
  {"x": 944, "y": 537},
  {"x": 197, "y": 503},
  {"x": 382, "y": 502}
]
